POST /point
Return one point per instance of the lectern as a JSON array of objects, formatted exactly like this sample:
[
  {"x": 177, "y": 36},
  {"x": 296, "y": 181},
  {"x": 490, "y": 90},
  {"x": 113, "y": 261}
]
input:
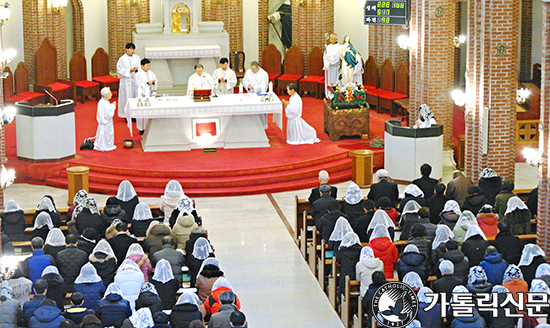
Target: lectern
[
  {"x": 45, "y": 133},
  {"x": 406, "y": 149}
]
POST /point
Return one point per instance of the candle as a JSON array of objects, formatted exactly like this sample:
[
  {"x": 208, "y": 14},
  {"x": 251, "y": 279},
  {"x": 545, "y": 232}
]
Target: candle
[
  {"x": 270, "y": 87},
  {"x": 240, "y": 88}
]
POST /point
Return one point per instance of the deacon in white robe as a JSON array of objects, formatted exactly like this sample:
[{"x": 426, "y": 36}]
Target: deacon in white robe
[
  {"x": 331, "y": 63},
  {"x": 105, "y": 135},
  {"x": 126, "y": 68},
  {"x": 224, "y": 78},
  {"x": 256, "y": 78},
  {"x": 298, "y": 132},
  {"x": 199, "y": 80},
  {"x": 146, "y": 83}
]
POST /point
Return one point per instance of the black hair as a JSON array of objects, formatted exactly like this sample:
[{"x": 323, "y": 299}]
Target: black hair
[
  {"x": 424, "y": 212},
  {"x": 130, "y": 46},
  {"x": 378, "y": 276},
  {"x": 211, "y": 271},
  {"x": 418, "y": 230},
  {"x": 473, "y": 190},
  {"x": 224, "y": 60},
  {"x": 508, "y": 185},
  {"x": 292, "y": 86},
  {"x": 122, "y": 226},
  {"x": 90, "y": 233},
  {"x": 255, "y": 63},
  {"x": 48, "y": 302},
  {"x": 67, "y": 323},
  {"x": 40, "y": 286},
  {"x": 440, "y": 188},
  {"x": 145, "y": 61},
  {"x": 237, "y": 318},
  {"x": 451, "y": 245},
  {"x": 37, "y": 243},
  {"x": 383, "y": 202},
  {"x": 197, "y": 324},
  {"x": 368, "y": 204},
  {"x": 169, "y": 240},
  {"x": 77, "y": 298},
  {"x": 112, "y": 201},
  {"x": 161, "y": 318},
  {"x": 71, "y": 239},
  {"x": 426, "y": 169},
  {"x": 227, "y": 297},
  {"x": 198, "y": 65},
  {"x": 90, "y": 320}
]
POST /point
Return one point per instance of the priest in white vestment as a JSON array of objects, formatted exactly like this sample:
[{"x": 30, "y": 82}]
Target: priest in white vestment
[
  {"x": 146, "y": 83},
  {"x": 199, "y": 80},
  {"x": 298, "y": 132},
  {"x": 256, "y": 80},
  {"x": 105, "y": 135},
  {"x": 126, "y": 68},
  {"x": 224, "y": 78},
  {"x": 331, "y": 63}
]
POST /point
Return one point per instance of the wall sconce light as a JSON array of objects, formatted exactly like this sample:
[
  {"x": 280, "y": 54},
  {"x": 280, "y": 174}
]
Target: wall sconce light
[
  {"x": 459, "y": 40},
  {"x": 134, "y": 2},
  {"x": 404, "y": 42},
  {"x": 532, "y": 156},
  {"x": 8, "y": 114},
  {"x": 5, "y": 13},
  {"x": 301, "y": 2},
  {"x": 7, "y": 177},
  {"x": 58, "y": 4},
  {"x": 522, "y": 95},
  {"x": 7, "y": 56}
]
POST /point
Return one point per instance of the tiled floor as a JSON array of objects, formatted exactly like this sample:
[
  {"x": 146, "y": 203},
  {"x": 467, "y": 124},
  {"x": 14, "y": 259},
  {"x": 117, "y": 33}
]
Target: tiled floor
[{"x": 257, "y": 253}]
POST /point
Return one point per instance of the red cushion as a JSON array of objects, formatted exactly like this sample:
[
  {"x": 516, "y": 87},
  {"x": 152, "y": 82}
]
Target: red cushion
[
  {"x": 289, "y": 77},
  {"x": 314, "y": 79},
  {"x": 106, "y": 79},
  {"x": 272, "y": 76},
  {"x": 369, "y": 87},
  {"x": 378, "y": 92},
  {"x": 59, "y": 86},
  {"x": 86, "y": 84},
  {"x": 25, "y": 96},
  {"x": 393, "y": 96}
]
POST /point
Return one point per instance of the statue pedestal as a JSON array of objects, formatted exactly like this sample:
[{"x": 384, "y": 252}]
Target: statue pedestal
[{"x": 346, "y": 122}]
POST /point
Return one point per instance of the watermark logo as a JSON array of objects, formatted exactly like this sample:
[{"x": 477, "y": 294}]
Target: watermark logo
[{"x": 395, "y": 305}]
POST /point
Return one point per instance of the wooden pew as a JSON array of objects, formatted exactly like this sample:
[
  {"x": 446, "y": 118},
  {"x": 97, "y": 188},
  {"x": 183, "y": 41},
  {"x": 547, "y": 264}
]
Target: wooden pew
[{"x": 352, "y": 293}]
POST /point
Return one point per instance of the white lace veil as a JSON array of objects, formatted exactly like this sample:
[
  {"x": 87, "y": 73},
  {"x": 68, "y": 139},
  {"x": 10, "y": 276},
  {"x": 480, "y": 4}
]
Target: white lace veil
[
  {"x": 350, "y": 239},
  {"x": 11, "y": 206},
  {"x": 163, "y": 272},
  {"x": 413, "y": 280},
  {"x": 442, "y": 235},
  {"x": 542, "y": 270},
  {"x": 353, "y": 194},
  {"x": 188, "y": 298},
  {"x": 50, "y": 269},
  {"x": 201, "y": 249},
  {"x": 411, "y": 207},
  {"x": 341, "y": 228},
  {"x": 55, "y": 237},
  {"x": 221, "y": 282},
  {"x": 411, "y": 249},
  {"x": 130, "y": 265},
  {"x": 529, "y": 252},
  {"x": 173, "y": 189},
  {"x": 80, "y": 197},
  {"x": 422, "y": 295},
  {"x": 125, "y": 191},
  {"x": 46, "y": 204},
  {"x": 104, "y": 247},
  {"x": 380, "y": 231},
  {"x": 413, "y": 190},
  {"x": 43, "y": 219},
  {"x": 142, "y": 318},
  {"x": 474, "y": 230},
  {"x": 514, "y": 203},
  {"x": 452, "y": 206},
  {"x": 185, "y": 206},
  {"x": 381, "y": 217},
  {"x": 366, "y": 253},
  {"x": 135, "y": 248},
  {"x": 466, "y": 219},
  {"x": 142, "y": 212},
  {"x": 88, "y": 275},
  {"x": 113, "y": 288}
]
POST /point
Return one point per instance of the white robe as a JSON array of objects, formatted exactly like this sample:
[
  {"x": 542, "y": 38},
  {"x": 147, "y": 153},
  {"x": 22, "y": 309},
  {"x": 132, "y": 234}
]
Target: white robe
[
  {"x": 258, "y": 80},
  {"x": 331, "y": 65},
  {"x": 298, "y": 132},
  {"x": 358, "y": 72},
  {"x": 201, "y": 82},
  {"x": 105, "y": 135},
  {"x": 126, "y": 87},
  {"x": 143, "y": 90},
  {"x": 227, "y": 86}
]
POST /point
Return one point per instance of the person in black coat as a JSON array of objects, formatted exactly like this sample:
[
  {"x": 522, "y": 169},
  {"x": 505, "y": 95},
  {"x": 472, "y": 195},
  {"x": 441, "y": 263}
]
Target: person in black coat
[
  {"x": 490, "y": 183},
  {"x": 323, "y": 179},
  {"x": 104, "y": 260},
  {"x": 141, "y": 220},
  {"x": 383, "y": 188},
  {"x": 348, "y": 256},
  {"x": 13, "y": 221},
  {"x": 503, "y": 319},
  {"x": 507, "y": 244},
  {"x": 532, "y": 201},
  {"x": 87, "y": 216},
  {"x": 149, "y": 298},
  {"x": 448, "y": 279},
  {"x": 325, "y": 224},
  {"x": 411, "y": 260},
  {"x": 353, "y": 203},
  {"x": 475, "y": 201},
  {"x": 201, "y": 251},
  {"x": 121, "y": 242},
  {"x": 423, "y": 245},
  {"x": 412, "y": 192},
  {"x": 378, "y": 280},
  {"x": 55, "y": 290},
  {"x": 185, "y": 311},
  {"x": 70, "y": 261},
  {"x": 87, "y": 241},
  {"x": 459, "y": 260},
  {"x": 127, "y": 198},
  {"x": 113, "y": 211},
  {"x": 531, "y": 257},
  {"x": 321, "y": 205},
  {"x": 474, "y": 245},
  {"x": 436, "y": 203},
  {"x": 165, "y": 284},
  {"x": 409, "y": 217},
  {"x": 362, "y": 222},
  {"x": 424, "y": 214},
  {"x": 425, "y": 183}
]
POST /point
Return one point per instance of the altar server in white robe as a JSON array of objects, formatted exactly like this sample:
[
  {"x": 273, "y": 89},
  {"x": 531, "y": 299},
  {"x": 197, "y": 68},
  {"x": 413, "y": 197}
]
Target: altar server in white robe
[
  {"x": 126, "y": 68},
  {"x": 199, "y": 80},
  {"x": 105, "y": 135},
  {"x": 298, "y": 132},
  {"x": 224, "y": 78},
  {"x": 146, "y": 83},
  {"x": 256, "y": 80},
  {"x": 331, "y": 63}
]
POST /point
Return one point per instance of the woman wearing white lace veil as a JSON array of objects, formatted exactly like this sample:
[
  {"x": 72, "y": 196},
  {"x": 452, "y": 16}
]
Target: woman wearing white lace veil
[
  {"x": 543, "y": 272},
  {"x": 431, "y": 318},
  {"x": 127, "y": 198},
  {"x": 112, "y": 310},
  {"x": 442, "y": 235},
  {"x": 185, "y": 310},
  {"x": 142, "y": 318},
  {"x": 201, "y": 251},
  {"x": 465, "y": 220},
  {"x": 149, "y": 298},
  {"x": 409, "y": 217},
  {"x": 450, "y": 214},
  {"x": 104, "y": 260},
  {"x": 341, "y": 228},
  {"x": 130, "y": 279},
  {"x": 384, "y": 249},
  {"x": 353, "y": 203},
  {"x": 165, "y": 284},
  {"x": 183, "y": 207},
  {"x": 55, "y": 242},
  {"x": 79, "y": 199},
  {"x": 413, "y": 280},
  {"x": 13, "y": 221},
  {"x": 513, "y": 280},
  {"x": 531, "y": 257},
  {"x": 209, "y": 272},
  {"x": 474, "y": 245},
  {"x": 89, "y": 283},
  {"x": 365, "y": 267},
  {"x": 517, "y": 216},
  {"x": 141, "y": 220},
  {"x": 46, "y": 205},
  {"x": 135, "y": 253},
  {"x": 348, "y": 255},
  {"x": 412, "y": 192},
  {"x": 87, "y": 216},
  {"x": 381, "y": 217},
  {"x": 42, "y": 225},
  {"x": 173, "y": 192}
]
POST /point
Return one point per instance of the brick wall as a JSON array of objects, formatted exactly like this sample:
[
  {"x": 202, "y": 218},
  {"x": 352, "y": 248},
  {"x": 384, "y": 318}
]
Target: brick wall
[
  {"x": 383, "y": 44},
  {"x": 432, "y": 61},
  {"x": 492, "y": 81},
  {"x": 543, "y": 223},
  {"x": 78, "y": 26},
  {"x": 263, "y": 27},
  {"x": 121, "y": 20},
  {"x": 40, "y": 22},
  {"x": 526, "y": 31},
  {"x": 230, "y": 12}
]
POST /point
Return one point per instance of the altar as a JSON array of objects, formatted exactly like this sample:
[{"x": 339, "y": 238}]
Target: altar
[{"x": 227, "y": 121}]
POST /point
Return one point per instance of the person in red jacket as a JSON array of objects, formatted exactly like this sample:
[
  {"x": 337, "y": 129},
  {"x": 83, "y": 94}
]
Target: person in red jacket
[
  {"x": 487, "y": 220},
  {"x": 384, "y": 249},
  {"x": 212, "y": 303}
]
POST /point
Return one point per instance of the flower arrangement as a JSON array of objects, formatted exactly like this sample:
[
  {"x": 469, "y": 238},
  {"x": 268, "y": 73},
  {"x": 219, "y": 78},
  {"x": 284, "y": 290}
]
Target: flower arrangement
[{"x": 349, "y": 95}]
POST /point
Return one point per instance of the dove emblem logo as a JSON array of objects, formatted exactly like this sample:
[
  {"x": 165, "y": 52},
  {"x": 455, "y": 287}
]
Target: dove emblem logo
[{"x": 395, "y": 305}]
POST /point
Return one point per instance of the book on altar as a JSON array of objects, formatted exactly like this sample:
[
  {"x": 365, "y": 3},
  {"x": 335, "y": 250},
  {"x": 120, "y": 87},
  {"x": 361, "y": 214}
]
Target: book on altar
[{"x": 201, "y": 95}]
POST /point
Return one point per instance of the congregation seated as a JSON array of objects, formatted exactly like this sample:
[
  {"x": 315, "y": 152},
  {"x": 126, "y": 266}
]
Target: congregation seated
[
  {"x": 21, "y": 286},
  {"x": 457, "y": 258},
  {"x": 442, "y": 235},
  {"x": 10, "y": 309},
  {"x": 378, "y": 280},
  {"x": 47, "y": 315},
  {"x": 457, "y": 189},
  {"x": 494, "y": 266},
  {"x": 424, "y": 220},
  {"x": 127, "y": 198},
  {"x": 113, "y": 309},
  {"x": 413, "y": 280},
  {"x": 78, "y": 199},
  {"x": 339, "y": 231},
  {"x": 362, "y": 223},
  {"x": 513, "y": 281},
  {"x": 113, "y": 211},
  {"x": 323, "y": 179},
  {"x": 87, "y": 240},
  {"x": 121, "y": 242},
  {"x": 423, "y": 245},
  {"x": 384, "y": 187},
  {"x": 35, "y": 264},
  {"x": 42, "y": 225},
  {"x": 474, "y": 245},
  {"x": 40, "y": 287},
  {"x": 172, "y": 194},
  {"x": 412, "y": 192},
  {"x": 183, "y": 227},
  {"x": 46, "y": 205},
  {"x": 13, "y": 221},
  {"x": 141, "y": 220},
  {"x": 436, "y": 203},
  {"x": 508, "y": 244},
  {"x": 475, "y": 200},
  {"x": 448, "y": 280},
  {"x": 431, "y": 318},
  {"x": 531, "y": 257},
  {"x": 212, "y": 303},
  {"x": 55, "y": 242},
  {"x": 353, "y": 203},
  {"x": 411, "y": 260},
  {"x": 325, "y": 224},
  {"x": 185, "y": 311}
]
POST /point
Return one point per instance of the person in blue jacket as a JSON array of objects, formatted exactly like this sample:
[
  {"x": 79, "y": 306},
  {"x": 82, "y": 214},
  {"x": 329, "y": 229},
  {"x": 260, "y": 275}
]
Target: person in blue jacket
[
  {"x": 48, "y": 315},
  {"x": 112, "y": 310}
]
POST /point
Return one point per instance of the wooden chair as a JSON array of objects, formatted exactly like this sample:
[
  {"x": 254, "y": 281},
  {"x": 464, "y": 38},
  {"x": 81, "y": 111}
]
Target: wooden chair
[
  {"x": 352, "y": 292},
  {"x": 371, "y": 78},
  {"x": 22, "y": 87},
  {"x": 77, "y": 72},
  {"x": 387, "y": 101},
  {"x": 46, "y": 73},
  {"x": 237, "y": 63},
  {"x": 100, "y": 71},
  {"x": 387, "y": 83},
  {"x": 315, "y": 80},
  {"x": 271, "y": 62},
  {"x": 293, "y": 69}
]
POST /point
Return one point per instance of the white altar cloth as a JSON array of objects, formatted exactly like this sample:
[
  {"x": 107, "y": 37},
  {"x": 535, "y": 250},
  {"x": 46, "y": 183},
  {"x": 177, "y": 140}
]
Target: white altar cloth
[
  {"x": 239, "y": 114},
  {"x": 178, "y": 52}
]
